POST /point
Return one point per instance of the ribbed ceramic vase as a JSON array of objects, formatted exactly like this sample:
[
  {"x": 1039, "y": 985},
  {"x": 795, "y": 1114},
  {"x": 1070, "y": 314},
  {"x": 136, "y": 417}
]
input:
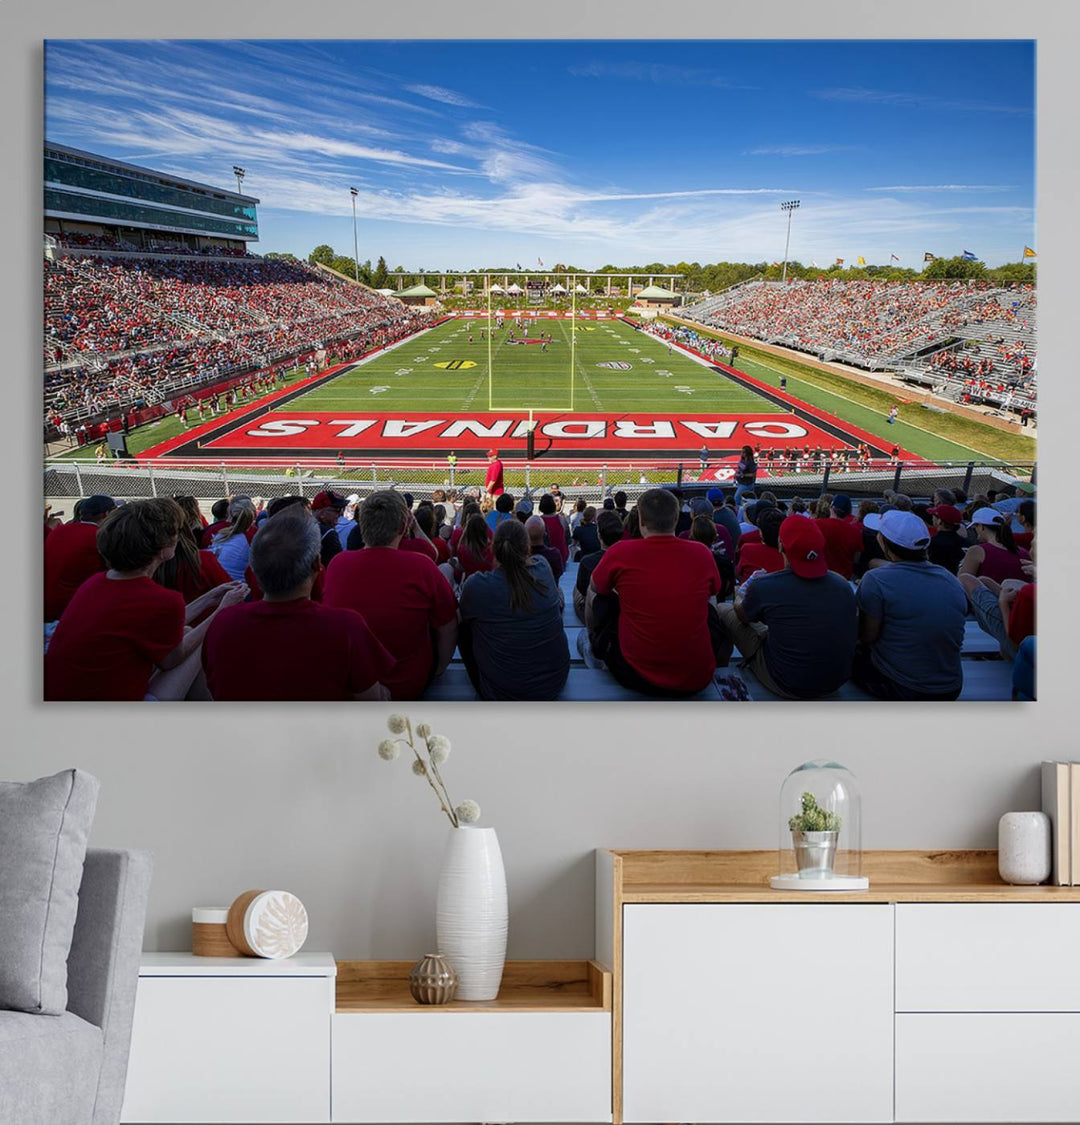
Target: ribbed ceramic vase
[{"x": 470, "y": 914}]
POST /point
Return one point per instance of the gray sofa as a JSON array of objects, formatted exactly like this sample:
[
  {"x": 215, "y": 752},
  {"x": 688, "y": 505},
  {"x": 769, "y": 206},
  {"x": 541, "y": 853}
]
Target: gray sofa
[{"x": 70, "y": 1069}]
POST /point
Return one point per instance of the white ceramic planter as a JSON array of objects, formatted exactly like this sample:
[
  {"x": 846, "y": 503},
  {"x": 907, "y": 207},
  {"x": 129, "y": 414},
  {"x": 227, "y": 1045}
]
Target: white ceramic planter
[
  {"x": 470, "y": 915},
  {"x": 1024, "y": 848}
]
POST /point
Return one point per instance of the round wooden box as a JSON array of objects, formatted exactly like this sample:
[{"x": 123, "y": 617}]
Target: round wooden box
[
  {"x": 271, "y": 924},
  {"x": 209, "y": 935}
]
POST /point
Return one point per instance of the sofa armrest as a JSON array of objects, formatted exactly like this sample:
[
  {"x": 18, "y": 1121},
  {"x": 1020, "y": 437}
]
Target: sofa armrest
[{"x": 103, "y": 966}]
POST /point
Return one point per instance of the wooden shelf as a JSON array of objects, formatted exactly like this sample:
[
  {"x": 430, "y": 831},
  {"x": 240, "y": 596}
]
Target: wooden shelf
[
  {"x": 895, "y": 876},
  {"x": 527, "y": 986}
]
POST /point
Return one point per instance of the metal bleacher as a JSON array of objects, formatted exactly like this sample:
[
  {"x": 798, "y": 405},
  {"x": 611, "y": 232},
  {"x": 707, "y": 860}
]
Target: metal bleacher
[{"x": 986, "y": 676}]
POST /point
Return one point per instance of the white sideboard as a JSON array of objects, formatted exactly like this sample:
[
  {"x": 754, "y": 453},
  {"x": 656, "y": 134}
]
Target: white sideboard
[
  {"x": 224, "y": 1039},
  {"x": 939, "y": 995}
]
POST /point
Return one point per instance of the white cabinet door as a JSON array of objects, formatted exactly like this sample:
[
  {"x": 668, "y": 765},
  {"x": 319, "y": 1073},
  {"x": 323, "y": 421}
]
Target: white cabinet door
[
  {"x": 758, "y": 1013},
  {"x": 988, "y": 957},
  {"x": 472, "y": 1066},
  {"x": 983, "y": 1066},
  {"x": 230, "y": 1049}
]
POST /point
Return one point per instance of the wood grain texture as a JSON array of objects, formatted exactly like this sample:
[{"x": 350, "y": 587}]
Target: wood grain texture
[
  {"x": 211, "y": 939},
  {"x": 527, "y": 986},
  {"x": 726, "y": 868},
  {"x": 234, "y": 925}
]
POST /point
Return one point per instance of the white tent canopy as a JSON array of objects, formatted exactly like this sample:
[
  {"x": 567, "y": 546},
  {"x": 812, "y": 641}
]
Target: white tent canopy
[
  {"x": 496, "y": 288},
  {"x": 579, "y": 288},
  {"x": 515, "y": 288},
  {"x": 558, "y": 289}
]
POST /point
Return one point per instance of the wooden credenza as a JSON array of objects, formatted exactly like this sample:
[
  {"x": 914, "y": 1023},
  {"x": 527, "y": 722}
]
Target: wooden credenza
[{"x": 939, "y": 995}]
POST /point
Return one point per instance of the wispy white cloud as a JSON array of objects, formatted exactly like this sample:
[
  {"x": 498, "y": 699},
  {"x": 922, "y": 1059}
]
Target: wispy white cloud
[
  {"x": 797, "y": 150},
  {"x": 944, "y": 187},
  {"x": 903, "y": 100},
  {"x": 441, "y": 94},
  {"x": 660, "y": 74}
]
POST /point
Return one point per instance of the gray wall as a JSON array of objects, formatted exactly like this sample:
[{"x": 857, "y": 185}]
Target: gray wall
[{"x": 231, "y": 798}]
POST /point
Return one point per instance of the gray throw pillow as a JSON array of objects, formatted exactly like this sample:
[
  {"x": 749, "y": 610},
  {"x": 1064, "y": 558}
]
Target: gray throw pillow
[{"x": 44, "y": 826}]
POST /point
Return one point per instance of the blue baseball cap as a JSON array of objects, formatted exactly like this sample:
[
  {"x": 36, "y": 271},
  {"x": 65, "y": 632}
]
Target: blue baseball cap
[{"x": 714, "y": 495}]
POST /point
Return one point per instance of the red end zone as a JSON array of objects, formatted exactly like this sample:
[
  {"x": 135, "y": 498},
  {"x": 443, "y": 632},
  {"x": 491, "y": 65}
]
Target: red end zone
[{"x": 410, "y": 432}]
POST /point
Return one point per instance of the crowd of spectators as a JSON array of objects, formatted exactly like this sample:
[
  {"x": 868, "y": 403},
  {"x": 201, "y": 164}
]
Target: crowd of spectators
[
  {"x": 117, "y": 330},
  {"x": 867, "y": 321},
  {"x": 342, "y": 597}
]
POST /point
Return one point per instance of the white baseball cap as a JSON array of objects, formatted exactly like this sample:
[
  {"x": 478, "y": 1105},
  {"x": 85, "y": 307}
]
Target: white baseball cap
[
  {"x": 905, "y": 529},
  {"x": 988, "y": 516}
]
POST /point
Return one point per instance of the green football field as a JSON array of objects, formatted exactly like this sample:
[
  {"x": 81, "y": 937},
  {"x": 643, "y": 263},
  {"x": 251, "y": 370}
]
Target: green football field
[{"x": 443, "y": 370}]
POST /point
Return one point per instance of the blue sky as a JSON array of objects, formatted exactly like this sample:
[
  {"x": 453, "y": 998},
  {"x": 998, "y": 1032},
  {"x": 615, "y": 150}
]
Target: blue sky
[{"x": 469, "y": 154}]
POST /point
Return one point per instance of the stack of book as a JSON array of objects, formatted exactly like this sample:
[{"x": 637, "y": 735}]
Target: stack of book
[{"x": 1061, "y": 803}]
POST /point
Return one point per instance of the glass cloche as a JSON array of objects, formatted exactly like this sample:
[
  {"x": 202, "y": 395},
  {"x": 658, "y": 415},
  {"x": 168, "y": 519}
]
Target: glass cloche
[{"x": 820, "y": 830}]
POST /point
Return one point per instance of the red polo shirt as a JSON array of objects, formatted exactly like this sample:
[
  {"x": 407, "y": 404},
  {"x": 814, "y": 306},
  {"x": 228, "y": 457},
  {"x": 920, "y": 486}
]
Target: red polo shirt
[
  {"x": 113, "y": 634},
  {"x": 664, "y": 585},
  {"x": 403, "y": 598},
  {"x": 843, "y": 541},
  {"x": 295, "y": 650},
  {"x": 71, "y": 557}
]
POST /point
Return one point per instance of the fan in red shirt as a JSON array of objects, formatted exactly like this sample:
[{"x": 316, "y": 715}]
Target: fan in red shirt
[
  {"x": 493, "y": 481},
  {"x": 288, "y": 646},
  {"x": 404, "y": 599},
  {"x": 123, "y": 636},
  {"x": 843, "y": 537},
  {"x": 764, "y": 555},
  {"x": 71, "y": 553},
  {"x": 655, "y": 637}
]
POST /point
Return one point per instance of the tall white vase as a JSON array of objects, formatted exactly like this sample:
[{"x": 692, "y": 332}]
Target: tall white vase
[{"x": 470, "y": 915}]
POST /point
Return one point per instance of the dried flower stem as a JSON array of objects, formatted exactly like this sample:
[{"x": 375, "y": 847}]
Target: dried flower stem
[{"x": 443, "y": 797}]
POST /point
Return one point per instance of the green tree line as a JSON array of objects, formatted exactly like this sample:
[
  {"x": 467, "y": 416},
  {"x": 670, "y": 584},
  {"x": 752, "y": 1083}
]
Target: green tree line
[{"x": 711, "y": 276}]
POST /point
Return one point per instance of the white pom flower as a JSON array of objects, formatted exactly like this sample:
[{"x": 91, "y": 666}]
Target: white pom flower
[
  {"x": 397, "y": 723},
  {"x": 419, "y": 768},
  {"x": 468, "y": 812},
  {"x": 423, "y": 730},
  {"x": 388, "y": 750},
  {"x": 439, "y": 748}
]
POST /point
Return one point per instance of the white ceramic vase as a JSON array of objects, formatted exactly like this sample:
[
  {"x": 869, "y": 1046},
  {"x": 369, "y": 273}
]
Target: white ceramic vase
[
  {"x": 1024, "y": 840},
  {"x": 470, "y": 914}
]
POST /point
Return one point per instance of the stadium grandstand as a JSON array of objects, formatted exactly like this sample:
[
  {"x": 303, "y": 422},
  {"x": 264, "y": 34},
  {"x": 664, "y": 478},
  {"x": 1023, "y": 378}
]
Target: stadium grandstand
[
  {"x": 823, "y": 561},
  {"x": 971, "y": 341},
  {"x": 151, "y": 294}
]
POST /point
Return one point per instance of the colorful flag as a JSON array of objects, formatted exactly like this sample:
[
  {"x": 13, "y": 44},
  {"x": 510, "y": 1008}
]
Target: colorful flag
[
  {"x": 540, "y": 262},
  {"x": 928, "y": 257},
  {"x": 969, "y": 257},
  {"x": 1029, "y": 253},
  {"x": 839, "y": 261},
  {"x": 814, "y": 265},
  {"x": 893, "y": 258},
  {"x": 862, "y": 260}
]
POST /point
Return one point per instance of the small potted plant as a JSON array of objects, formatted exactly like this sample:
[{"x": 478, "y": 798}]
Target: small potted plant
[{"x": 814, "y": 835}]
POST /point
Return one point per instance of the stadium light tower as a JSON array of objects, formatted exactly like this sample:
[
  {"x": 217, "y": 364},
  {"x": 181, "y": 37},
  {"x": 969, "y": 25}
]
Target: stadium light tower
[
  {"x": 791, "y": 205},
  {"x": 356, "y": 245},
  {"x": 239, "y": 173}
]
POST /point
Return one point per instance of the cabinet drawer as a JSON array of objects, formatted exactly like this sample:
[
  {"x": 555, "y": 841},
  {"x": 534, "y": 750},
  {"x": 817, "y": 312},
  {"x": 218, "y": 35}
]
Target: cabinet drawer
[
  {"x": 988, "y": 957},
  {"x": 758, "y": 1013},
  {"x": 235, "y": 1049},
  {"x": 987, "y": 1067},
  {"x": 472, "y": 1066}
]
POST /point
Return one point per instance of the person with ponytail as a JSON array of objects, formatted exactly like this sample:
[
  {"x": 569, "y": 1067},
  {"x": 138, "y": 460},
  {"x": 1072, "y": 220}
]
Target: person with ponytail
[
  {"x": 232, "y": 545},
  {"x": 995, "y": 554},
  {"x": 511, "y": 635}
]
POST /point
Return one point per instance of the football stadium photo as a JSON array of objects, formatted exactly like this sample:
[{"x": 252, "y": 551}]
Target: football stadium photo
[{"x": 538, "y": 373}]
